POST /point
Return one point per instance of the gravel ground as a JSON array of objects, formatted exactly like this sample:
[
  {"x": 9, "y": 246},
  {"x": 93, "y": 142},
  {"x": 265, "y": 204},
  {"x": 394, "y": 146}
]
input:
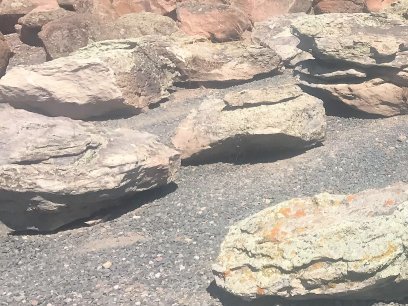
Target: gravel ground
[{"x": 157, "y": 249}]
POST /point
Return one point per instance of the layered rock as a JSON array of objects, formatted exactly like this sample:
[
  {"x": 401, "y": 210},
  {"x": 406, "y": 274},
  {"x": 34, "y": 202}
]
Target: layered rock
[
  {"x": 5, "y": 54},
  {"x": 275, "y": 33},
  {"x": 57, "y": 170},
  {"x": 213, "y": 20},
  {"x": 256, "y": 120},
  {"x": 360, "y": 60},
  {"x": 261, "y": 10},
  {"x": 326, "y": 246},
  {"x": 128, "y": 75}
]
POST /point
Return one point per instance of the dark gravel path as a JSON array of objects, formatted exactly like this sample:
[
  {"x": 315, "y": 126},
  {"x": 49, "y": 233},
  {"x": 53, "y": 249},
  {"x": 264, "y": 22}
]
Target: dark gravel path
[{"x": 161, "y": 252}]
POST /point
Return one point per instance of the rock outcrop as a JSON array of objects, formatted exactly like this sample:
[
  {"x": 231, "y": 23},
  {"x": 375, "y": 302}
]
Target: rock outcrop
[
  {"x": 213, "y": 20},
  {"x": 5, "y": 54},
  {"x": 57, "y": 170},
  {"x": 129, "y": 75},
  {"x": 360, "y": 60},
  {"x": 257, "y": 120},
  {"x": 326, "y": 246}
]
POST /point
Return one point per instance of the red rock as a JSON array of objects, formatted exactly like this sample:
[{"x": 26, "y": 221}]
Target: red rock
[
  {"x": 378, "y": 5},
  {"x": 122, "y": 7},
  {"x": 260, "y": 10},
  {"x": 339, "y": 6},
  {"x": 5, "y": 54},
  {"x": 219, "y": 22}
]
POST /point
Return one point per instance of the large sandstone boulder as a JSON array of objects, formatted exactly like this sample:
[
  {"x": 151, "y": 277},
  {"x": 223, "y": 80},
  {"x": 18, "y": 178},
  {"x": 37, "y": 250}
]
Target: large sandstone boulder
[
  {"x": 66, "y": 35},
  {"x": 275, "y": 33},
  {"x": 57, "y": 170},
  {"x": 339, "y": 6},
  {"x": 360, "y": 60},
  {"x": 260, "y": 10},
  {"x": 32, "y": 23},
  {"x": 5, "y": 55},
  {"x": 213, "y": 20},
  {"x": 129, "y": 75},
  {"x": 326, "y": 246},
  {"x": 257, "y": 120}
]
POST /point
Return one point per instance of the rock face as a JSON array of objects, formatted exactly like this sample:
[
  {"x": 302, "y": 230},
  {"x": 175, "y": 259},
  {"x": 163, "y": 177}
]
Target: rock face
[
  {"x": 57, "y": 170},
  {"x": 5, "y": 54},
  {"x": 128, "y": 75},
  {"x": 332, "y": 246},
  {"x": 260, "y": 10},
  {"x": 252, "y": 121},
  {"x": 213, "y": 20},
  {"x": 339, "y": 6},
  {"x": 398, "y": 8},
  {"x": 275, "y": 33},
  {"x": 360, "y": 60}
]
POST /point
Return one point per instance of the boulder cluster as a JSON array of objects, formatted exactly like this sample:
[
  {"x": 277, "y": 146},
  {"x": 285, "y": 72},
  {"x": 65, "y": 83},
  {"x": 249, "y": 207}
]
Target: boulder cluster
[{"x": 67, "y": 66}]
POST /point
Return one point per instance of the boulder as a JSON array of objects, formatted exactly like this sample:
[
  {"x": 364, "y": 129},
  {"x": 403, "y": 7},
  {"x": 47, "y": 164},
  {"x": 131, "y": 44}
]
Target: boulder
[
  {"x": 32, "y": 23},
  {"x": 126, "y": 76},
  {"x": 378, "y": 5},
  {"x": 398, "y": 8},
  {"x": 326, "y": 246},
  {"x": 213, "y": 20},
  {"x": 339, "y": 6},
  {"x": 163, "y": 7},
  {"x": 275, "y": 33},
  {"x": 5, "y": 55},
  {"x": 24, "y": 54},
  {"x": 256, "y": 120},
  {"x": 66, "y": 35},
  {"x": 57, "y": 170},
  {"x": 261, "y": 10},
  {"x": 360, "y": 60}
]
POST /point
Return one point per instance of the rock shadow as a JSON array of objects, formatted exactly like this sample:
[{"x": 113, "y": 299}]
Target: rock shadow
[{"x": 227, "y": 299}]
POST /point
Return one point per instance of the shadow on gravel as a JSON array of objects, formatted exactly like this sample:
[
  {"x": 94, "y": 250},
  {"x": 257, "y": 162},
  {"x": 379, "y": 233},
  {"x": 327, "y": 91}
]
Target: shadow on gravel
[
  {"x": 227, "y": 299},
  {"x": 121, "y": 207}
]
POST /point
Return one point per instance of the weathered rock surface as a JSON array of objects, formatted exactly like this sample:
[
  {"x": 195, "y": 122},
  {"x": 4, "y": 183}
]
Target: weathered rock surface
[
  {"x": 337, "y": 246},
  {"x": 66, "y": 35},
  {"x": 32, "y": 23},
  {"x": 398, "y": 8},
  {"x": 57, "y": 170},
  {"x": 360, "y": 60},
  {"x": 213, "y": 20},
  {"x": 259, "y": 120},
  {"x": 23, "y": 54},
  {"x": 128, "y": 75},
  {"x": 260, "y": 10},
  {"x": 378, "y": 5},
  {"x": 339, "y": 6},
  {"x": 275, "y": 33},
  {"x": 5, "y": 55}
]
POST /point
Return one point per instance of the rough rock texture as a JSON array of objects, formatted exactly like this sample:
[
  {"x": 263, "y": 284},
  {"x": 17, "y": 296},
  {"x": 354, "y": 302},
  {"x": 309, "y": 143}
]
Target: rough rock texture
[
  {"x": 56, "y": 170},
  {"x": 128, "y": 75},
  {"x": 64, "y": 36},
  {"x": 339, "y": 6},
  {"x": 260, "y": 120},
  {"x": 275, "y": 33},
  {"x": 32, "y": 23},
  {"x": 5, "y": 54},
  {"x": 23, "y": 54},
  {"x": 123, "y": 7},
  {"x": 399, "y": 8},
  {"x": 378, "y": 5},
  {"x": 260, "y": 10},
  {"x": 325, "y": 246},
  {"x": 361, "y": 60},
  {"x": 216, "y": 21}
]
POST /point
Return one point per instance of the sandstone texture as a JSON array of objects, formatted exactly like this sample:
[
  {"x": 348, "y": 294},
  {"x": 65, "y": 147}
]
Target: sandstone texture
[
  {"x": 57, "y": 170},
  {"x": 129, "y": 75},
  {"x": 254, "y": 121},
  {"x": 326, "y": 246},
  {"x": 360, "y": 60}
]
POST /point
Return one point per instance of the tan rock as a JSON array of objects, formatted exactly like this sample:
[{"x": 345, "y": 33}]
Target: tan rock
[
  {"x": 339, "y": 6},
  {"x": 326, "y": 246},
  {"x": 378, "y": 5},
  {"x": 251, "y": 121},
  {"x": 5, "y": 55},
  {"x": 260, "y": 10},
  {"x": 46, "y": 183},
  {"x": 216, "y": 21}
]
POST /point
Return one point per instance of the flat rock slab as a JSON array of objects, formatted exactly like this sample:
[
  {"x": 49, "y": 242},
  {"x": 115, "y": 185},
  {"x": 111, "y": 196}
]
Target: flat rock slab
[
  {"x": 127, "y": 76},
  {"x": 57, "y": 170},
  {"x": 257, "y": 120},
  {"x": 326, "y": 246}
]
